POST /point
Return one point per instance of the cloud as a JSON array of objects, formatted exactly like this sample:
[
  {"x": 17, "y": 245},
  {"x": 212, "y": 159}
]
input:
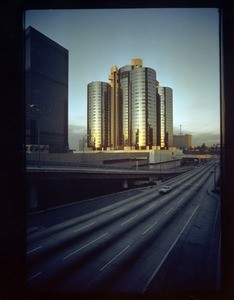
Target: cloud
[{"x": 207, "y": 138}]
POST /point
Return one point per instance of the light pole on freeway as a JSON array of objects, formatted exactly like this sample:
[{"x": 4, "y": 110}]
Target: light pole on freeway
[{"x": 33, "y": 106}]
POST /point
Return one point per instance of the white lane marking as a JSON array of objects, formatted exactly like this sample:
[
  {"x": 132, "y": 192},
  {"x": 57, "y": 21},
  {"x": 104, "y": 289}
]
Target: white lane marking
[
  {"x": 106, "y": 265},
  {"x": 84, "y": 227},
  {"x": 149, "y": 227},
  {"x": 34, "y": 249},
  {"x": 39, "y": 273},
  {"x": 168, "y": 211},
  {"x": 148, "y": 207},
  {"x": 168, "y": 252},
  {"x": 115, "y": 213},
  {"x": 180, "y": 200},
  {"x": 85, "y": 246},
  {"x": 129, "y": 220},
  {"x": 187, "y": 194}
]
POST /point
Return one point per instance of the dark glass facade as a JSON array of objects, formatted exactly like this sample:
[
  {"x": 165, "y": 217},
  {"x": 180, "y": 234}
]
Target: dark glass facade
[{"x": 46, "y": 92}]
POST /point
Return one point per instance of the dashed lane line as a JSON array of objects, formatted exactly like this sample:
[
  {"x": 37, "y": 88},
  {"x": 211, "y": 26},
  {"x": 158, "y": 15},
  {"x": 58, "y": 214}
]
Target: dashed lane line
[
  {"x": 79, "y": 229},
  {"x": 34, "y": 250},
  {"x": 69, "y": 255},
  {"x": 129, "y": 220},
  {"x": 149, "y": 228},
  {"x": 39, "y": 273},
  {"x": 168, "y": 211},
  {"x": 106, "y": 265},
  {"x": 168, "y": 252},
  {"x": 115, "y": 213}
]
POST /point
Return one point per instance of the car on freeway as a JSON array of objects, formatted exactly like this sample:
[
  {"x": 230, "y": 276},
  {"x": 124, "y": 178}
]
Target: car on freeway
[{"x": 165, "y": 189}]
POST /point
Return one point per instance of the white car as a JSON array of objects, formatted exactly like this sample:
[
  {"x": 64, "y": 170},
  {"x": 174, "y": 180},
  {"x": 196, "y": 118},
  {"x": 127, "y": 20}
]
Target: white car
[{"x": 165, "y": 189}]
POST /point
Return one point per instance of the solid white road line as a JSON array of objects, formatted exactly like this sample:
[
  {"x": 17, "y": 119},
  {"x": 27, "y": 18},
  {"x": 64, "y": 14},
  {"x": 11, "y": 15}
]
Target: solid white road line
[
  {"x": 168, "y": 252},
  {"x": 106, "y": 265},
  {"x": 34, "y": 250},
  {"x": 84, "y": 227},
  {"x": 85, "y": 246}
]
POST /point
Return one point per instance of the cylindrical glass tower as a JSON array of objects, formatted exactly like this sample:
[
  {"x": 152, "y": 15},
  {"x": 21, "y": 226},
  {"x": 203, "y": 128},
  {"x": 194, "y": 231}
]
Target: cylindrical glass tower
[
  {"x": 143, "y": 107},
  {"x": 98, "y": 122}
]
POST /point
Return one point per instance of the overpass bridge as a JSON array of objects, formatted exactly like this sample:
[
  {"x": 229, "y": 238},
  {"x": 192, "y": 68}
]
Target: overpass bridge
[{"x": 46, "y": 184}]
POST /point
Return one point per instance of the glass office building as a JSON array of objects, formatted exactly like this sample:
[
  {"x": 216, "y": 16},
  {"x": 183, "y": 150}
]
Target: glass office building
[
  {"x": 143, "y": 107},
  {"x": 99, "y": 115},
  {"x": 116, "y": 116},
  {"x": 132, "y": 112},
  {"x": 137, "y": 92},
  {"x": 46, "y": 92},
  {"x": 125, "y": 105},
  {"x": 166, "y": 115}
]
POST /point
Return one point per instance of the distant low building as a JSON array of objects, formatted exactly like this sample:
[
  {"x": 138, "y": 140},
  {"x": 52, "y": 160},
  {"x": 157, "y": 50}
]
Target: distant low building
[{"x": 182, "y": 141}]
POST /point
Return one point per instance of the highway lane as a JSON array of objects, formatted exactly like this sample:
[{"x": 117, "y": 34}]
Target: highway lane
[
  {"x": 118, "y": 209},
  {"x": 86, "y": 253}
]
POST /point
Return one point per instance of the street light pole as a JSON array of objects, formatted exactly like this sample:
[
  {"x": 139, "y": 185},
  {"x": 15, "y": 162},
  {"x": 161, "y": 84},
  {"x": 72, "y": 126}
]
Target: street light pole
[
  {"x": 38, "y": 138},
  {"x": 38, "y": 133}
]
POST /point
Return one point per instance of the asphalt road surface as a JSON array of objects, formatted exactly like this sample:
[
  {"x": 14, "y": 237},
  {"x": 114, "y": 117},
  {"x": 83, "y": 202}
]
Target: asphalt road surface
[{"x": 134, "y": 242}]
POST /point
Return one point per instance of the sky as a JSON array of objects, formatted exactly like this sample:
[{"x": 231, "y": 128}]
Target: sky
[{"x": 181, "y": 45}]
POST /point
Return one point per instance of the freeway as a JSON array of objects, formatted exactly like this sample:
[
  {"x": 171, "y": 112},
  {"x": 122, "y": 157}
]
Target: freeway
[{"x": 138, "y": 244}]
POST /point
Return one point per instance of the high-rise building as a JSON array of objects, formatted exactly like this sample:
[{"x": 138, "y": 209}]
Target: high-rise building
[
  {"x": 136, "y": 102},
  {"x": 125, "y": 105},
  {"x": 115, "y": 127},
  {"x": 143, "y": 107},
  {"x": 46, "y": 92},
  {"x": 130, "y": 110},
  {"x": 99, "y": 115},
  {"x": 166, "y": 116}
]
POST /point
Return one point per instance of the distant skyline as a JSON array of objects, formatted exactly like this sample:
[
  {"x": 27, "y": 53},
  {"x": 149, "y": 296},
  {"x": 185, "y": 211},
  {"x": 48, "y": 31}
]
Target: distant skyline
[{"x": 181, "y": 45}]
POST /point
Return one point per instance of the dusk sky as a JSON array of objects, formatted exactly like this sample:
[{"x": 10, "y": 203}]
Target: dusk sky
[{"x": 181, "y": 45}]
